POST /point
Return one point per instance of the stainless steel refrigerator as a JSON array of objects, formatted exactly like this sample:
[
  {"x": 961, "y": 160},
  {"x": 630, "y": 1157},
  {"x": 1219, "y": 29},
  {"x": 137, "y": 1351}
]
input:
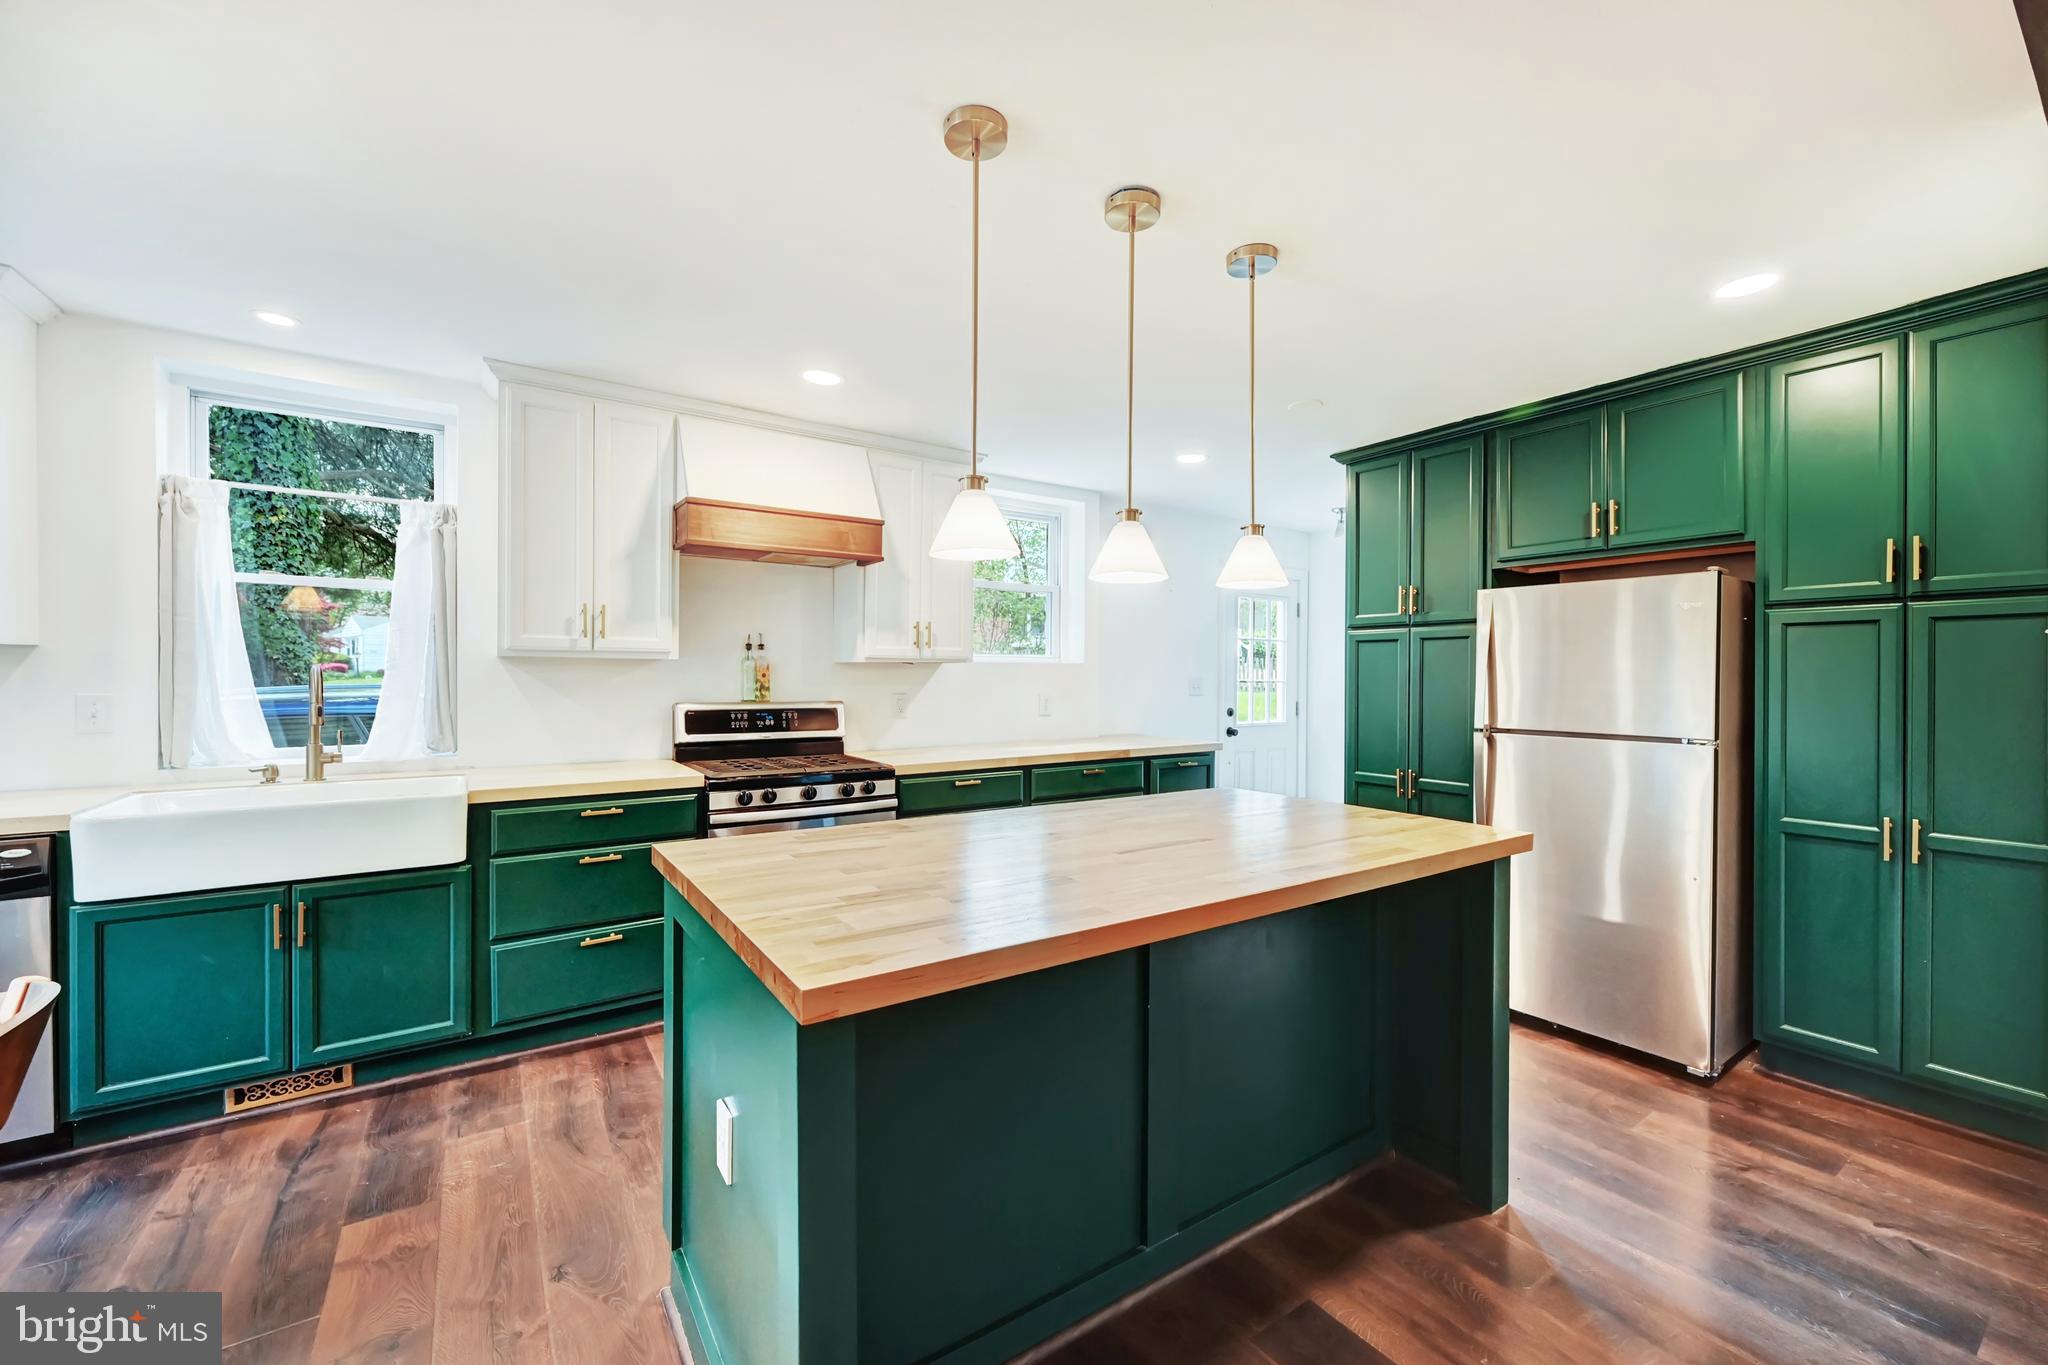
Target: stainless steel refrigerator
[{"x": 1612, "y": 720}]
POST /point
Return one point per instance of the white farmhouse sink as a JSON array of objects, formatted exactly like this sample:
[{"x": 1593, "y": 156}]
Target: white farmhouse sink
[{"x": 160, "y": 842}]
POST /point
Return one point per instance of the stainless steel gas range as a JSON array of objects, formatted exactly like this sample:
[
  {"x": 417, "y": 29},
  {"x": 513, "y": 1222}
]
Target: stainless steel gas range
[{"x": 780, "y": 765}]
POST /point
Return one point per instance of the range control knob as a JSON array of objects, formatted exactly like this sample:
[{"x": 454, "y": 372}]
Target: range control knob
[
  {"x": 746, "y": 798},
  {"x": 867, "y": 789},
  {"x": 768, "y": 797},
  {"x": 846, "y": 789},
  {"x": 810, "y": 793}
]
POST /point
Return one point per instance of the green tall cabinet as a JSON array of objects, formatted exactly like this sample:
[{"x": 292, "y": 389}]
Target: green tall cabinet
[
  {"x": 1903, "y": 897},
  {"x": 1410, "y": 727},
  {"x": 1415, "y": 552}
]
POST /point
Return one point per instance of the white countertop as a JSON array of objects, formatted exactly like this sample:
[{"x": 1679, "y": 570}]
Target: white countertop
[{"x": 50, "y": 811}]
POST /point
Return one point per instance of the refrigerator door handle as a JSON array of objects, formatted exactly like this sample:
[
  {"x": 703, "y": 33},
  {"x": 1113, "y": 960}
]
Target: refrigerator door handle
[{"x": 1482, "y": 776}]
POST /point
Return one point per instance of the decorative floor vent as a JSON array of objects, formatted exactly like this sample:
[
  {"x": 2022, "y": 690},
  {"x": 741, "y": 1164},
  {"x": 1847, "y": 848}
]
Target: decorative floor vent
[{"x": 282, "y": 1089}]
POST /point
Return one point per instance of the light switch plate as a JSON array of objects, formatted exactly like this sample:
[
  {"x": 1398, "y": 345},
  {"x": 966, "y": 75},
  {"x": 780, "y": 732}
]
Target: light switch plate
[
  {"x": 1045, "y": 703},
  {"x": 95, "y": 713},
  {"x": 1194, "y": 687},
  {"x": 727, "y": 1112}
]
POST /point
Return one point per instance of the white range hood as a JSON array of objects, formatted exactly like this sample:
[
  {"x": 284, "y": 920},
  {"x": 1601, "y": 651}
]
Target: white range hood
[{"x": 754, "y": 493}]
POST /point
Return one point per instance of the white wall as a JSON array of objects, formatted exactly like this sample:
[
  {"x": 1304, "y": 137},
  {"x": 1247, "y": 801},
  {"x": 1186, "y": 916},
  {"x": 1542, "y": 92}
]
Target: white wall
[
  {"x": 100, "y": 396},
  {"x": 19, "y": 597}
]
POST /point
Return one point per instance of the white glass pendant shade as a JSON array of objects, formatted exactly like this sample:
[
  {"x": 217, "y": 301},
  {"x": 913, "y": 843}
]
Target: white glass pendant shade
[
  {"x": 1127, "y": 556},
  {"x": 974, "y": 528},
  {"x": 1252, "y": 563}
]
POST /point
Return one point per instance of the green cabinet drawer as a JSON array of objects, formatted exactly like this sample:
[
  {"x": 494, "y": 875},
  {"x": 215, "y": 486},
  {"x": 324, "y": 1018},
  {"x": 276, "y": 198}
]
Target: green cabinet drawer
[
  {"x": 1181, "y": 773},
  {"x": 1079, "y": 781},
  {"x": 958, "y": 791},
  {"x": 598, "y": 820},
  {"x": 579, "y": 970},
  {"x": 543, "y": 892}
]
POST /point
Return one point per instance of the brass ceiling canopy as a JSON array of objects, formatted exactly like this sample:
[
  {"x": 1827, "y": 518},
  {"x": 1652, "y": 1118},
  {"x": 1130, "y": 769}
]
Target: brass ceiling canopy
[
  {"x": 1251, "y": 258},
  {"x": 975, "y": 132},
  {"x": 1132, "y": 209}
]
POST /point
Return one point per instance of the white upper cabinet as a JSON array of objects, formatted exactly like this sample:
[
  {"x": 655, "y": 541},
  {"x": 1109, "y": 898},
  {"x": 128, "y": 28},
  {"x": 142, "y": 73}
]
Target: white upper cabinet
[
  {"x": 910, "y": 607},
  {"x": 585, "y": 561}
]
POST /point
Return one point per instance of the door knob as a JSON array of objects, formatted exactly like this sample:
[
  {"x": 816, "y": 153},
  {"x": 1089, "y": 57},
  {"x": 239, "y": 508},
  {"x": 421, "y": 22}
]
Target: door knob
[{"x": 1230, "y": 732}]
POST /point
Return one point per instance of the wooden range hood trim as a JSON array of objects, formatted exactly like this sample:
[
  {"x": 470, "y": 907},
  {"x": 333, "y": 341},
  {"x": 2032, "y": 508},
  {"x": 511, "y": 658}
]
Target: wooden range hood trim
[{"x": 716, "y": 529}]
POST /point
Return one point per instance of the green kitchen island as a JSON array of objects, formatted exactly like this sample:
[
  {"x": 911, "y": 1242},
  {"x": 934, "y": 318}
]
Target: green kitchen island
[{"x": 941, "y": 1088}]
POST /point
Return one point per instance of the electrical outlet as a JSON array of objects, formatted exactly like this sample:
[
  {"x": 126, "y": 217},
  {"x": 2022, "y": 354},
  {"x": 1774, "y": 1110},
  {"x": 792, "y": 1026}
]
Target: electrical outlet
[
  {"x": 727, "y": 1113},
  {"x": 1045, "y": 703},
  {"x": 95, "y": 714},
  {"x": 1194, "y": 687},
  {"x": 902, "y": 702}
]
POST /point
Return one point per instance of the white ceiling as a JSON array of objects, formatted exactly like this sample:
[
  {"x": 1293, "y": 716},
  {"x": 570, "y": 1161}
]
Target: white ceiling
[{"x": 1476, "y": 204}]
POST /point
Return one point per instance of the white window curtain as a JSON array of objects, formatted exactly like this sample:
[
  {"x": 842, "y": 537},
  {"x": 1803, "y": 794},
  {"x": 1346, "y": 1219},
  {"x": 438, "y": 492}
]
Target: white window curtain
[
  {"x": 416, "y": 706},
  {"x": 208, "y": 712}
]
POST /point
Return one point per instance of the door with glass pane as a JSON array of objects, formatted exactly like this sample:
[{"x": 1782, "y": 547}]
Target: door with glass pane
[{"x": 1259, "y": 690}]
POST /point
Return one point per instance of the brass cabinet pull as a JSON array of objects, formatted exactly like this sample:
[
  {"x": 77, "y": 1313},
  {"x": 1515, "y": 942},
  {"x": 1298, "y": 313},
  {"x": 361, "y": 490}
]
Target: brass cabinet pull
[
  {"x": 1885, "y": 834},
  {"x": 1916, "y": 838},
  {"x": 583, "y": 622},
  {"x": 1613, "y": 516},
  {"x": 1891, "y": 558},
  {"x": 1594, "y": 534},
  {"x": 277, "y": 926},
  {"x": 602, "y": 608},
  {"x": 1189, "y": 763},
  {"x": 601, "y": 858},
  {"x": 596, "y": 940},
  {"x": 603, "y": 810},
  {"x": 1400, "y": 598},
  {"x": 1919, "y": 557},
  {"x": 1411, "y": 783},
  {"x": 302, "y": 924},
  {"x": 967, "y": 782},
  {"x": 1093, "y": 772}
]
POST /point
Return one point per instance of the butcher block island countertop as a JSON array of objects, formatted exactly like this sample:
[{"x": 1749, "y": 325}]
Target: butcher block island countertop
[{"x": 859, "y": 917}]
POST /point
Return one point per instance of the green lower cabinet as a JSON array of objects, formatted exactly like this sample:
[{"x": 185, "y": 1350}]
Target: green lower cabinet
[
  {"x": 942, "y": 793},
  {"x": 535, "y": 827},
  {"x": 1081, "y": 781},
  {"x": 542, "y": 893},
  {"x": 172, "y": 996},
  {"x": 1828, "y": 907},
  {"x": 580, "y": 970},
  {"x": 1410, "y": 724},
  {"x": 1976, "y": 913},
  {"x": 1376, "y": 742},
  {"x": 1180, "y": 773},
  {"x": 380, "y": 963}
]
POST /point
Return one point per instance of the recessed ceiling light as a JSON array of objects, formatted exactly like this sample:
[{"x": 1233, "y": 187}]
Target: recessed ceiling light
[
  {"x": 275, "y": 319},
  {"x": 1191, "y": 457},
  {"x": 1305, "y": 405},
  {"x": 1747, "y": 285},
  {"x": 825, "y": 377}
]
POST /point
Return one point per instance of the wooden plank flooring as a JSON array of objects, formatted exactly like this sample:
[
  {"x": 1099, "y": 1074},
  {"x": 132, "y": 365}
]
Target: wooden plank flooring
[{"x": 512, "y": 1214}]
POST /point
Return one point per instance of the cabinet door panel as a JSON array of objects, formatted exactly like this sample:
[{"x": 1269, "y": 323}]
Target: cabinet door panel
[
  {"x": 384, "y": 965},
  {"x": 1977, "y": 454},
  {"x": 170, "y": 997},
  {"x": 544, "y": 530},
  {"x": 1441, "y": 720},
  {"x": 1836, "y": 490},
  {"x": 1378, "y": 542},
  {"x": 1445, "y": 483},
  {"x": 948, "y": 610},
  {"x": 633, "y": 586},
  {"x": 1548, "y": 475},
  {"x": 1976, "y": 968},
  {"x": 1828, "y": 938},
  {"x": 1675, "y": 463},
  {"x": 893, "y": 590},
  {"x": 1377, "y": 683}
]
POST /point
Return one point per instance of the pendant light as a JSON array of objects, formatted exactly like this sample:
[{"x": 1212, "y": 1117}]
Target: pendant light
[
  {"x": 975, "y": 527},
  {"x": 1127, "y": 555},
  {"x": 1252, "y": 563}
]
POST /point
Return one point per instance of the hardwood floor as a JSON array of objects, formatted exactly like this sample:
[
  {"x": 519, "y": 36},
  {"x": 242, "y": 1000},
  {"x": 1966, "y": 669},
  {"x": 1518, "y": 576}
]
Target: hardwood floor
[{"x": 512, "y": 1214}]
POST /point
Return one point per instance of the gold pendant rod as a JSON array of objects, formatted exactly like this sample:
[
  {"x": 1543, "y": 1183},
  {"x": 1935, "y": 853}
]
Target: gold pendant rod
[
  {"x": 1252, "y": 396},
  {"x": 1130, "y": 355},
  {"x": 974, "y": 330}
]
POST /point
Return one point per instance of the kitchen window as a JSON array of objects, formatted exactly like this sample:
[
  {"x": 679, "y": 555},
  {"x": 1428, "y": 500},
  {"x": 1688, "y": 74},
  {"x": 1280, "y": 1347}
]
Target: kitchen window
[
  {"x": 313, "y": 510},
  {"x": 1018, "y": 601}
]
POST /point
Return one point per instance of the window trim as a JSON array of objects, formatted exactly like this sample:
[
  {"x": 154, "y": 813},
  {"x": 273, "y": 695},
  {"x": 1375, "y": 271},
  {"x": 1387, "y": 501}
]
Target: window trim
[
  {"x": 1056, "y": 590},
  {"x": 187, "y": 444}
]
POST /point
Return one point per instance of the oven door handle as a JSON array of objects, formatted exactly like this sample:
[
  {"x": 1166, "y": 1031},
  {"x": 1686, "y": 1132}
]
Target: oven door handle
[{"x": 790, "y": 814}]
